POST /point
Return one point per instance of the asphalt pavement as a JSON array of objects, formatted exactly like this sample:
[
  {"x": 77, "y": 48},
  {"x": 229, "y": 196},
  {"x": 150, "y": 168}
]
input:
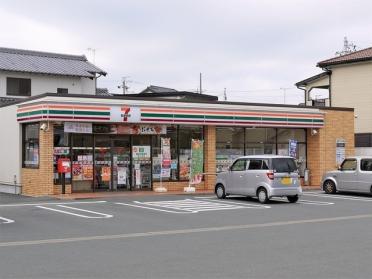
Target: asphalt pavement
[{"x": 178, "y": 236}]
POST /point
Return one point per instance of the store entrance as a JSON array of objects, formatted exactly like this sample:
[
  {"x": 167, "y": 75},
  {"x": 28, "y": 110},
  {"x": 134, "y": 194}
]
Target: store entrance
[
  {"x": 111, "y": 163},
  {"x": 141, "y": 163}
]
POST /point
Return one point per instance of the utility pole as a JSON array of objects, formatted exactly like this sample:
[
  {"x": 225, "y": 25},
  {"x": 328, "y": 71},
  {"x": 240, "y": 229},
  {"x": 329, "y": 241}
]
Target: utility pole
[
  {"x": 200, "y": 81},
  {"x": 224, "y": 94},
  {"x": 285, "y": 92},
  {"x": 93, "y": 51},
  {"x": 124, "y": 85}
]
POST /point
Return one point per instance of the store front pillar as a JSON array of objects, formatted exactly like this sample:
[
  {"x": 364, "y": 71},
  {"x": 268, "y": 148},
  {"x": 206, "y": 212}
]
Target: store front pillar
[{"x": 210, "y": 157}]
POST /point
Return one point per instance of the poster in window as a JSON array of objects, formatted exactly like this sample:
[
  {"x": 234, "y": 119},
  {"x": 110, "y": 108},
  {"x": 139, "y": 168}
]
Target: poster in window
[
  {"x": 87, "y": 172},
  {"x": 292, "y": 148},
  {"x": 184, "y": 167},
  {"x": 340, "y": 151},
  {"x": 122, "y": 175},
  {"x": 77, "y": 171},
  {"x": 106, "y": 173}
]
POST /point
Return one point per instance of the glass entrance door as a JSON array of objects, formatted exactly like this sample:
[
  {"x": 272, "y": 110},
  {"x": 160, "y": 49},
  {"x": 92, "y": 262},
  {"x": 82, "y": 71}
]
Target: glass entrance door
[
  {"x": 141, "y": 163},
  {"x": 121, "y": 163},
  {"x": 102, "y": 161}
]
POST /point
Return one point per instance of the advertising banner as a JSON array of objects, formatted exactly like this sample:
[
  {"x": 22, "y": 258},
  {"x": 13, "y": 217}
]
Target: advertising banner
[
  {"x": 292, "y": 148},
  {"x": 166, "y": 157},
  {"x": 77, "y": 127},
  {"x": 141, "y": 129},
  {"x": 197, "y": 161}
]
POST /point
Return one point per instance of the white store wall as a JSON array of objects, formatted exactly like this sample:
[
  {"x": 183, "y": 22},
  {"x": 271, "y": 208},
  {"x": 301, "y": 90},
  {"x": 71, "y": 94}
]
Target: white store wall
[
  {"x": 49, "y": 83},
  {"x": 10, "y": 149}
]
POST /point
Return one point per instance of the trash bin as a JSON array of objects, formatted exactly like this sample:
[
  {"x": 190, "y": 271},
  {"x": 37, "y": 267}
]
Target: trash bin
[{"x": 307, "y": 177}]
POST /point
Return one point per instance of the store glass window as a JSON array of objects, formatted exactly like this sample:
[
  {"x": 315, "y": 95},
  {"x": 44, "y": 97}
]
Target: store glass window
[
  {"x": 171, "y": 173},
  {"x": 61, "y": 149},
  {"x": 186, "y": 133},
  {"x": 284, "y": 136},
  {"x": 82, "y": 162},
  {"x": 260, "y": 141},
  {"x": 229, "y": 146},
  {"x": 31, "y": 145}
]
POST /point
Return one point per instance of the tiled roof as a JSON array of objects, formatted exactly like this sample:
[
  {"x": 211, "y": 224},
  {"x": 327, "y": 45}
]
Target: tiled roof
[
  {"x": 357, "y": 56},
  {"x": 311, "y": 79},
  {"x": 158, "y": 89},
  {"x": 6, "y": 100},
  {"x": 29, "y": 61},
  {"x": 102, "y": 92}
]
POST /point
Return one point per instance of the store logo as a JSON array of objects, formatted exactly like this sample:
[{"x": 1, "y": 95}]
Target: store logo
[{"x": 126, "y": 114}]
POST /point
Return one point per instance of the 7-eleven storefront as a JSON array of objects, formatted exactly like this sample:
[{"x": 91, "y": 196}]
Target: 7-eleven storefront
[{"x": 114, "y": 143}]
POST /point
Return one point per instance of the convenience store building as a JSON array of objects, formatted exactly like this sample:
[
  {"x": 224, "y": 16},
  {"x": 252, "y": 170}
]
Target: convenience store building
[{"x": 113, "y": 142}]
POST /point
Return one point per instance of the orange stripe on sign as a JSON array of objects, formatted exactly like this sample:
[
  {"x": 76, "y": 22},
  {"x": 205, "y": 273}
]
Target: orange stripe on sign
[
  {"x": 30, "y": 108},
  {"x": 79, "y": 107},
  {"x": 232, "y": 113}
]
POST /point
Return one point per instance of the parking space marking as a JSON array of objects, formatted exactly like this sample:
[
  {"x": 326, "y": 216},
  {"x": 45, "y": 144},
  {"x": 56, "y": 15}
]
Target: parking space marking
[
  {"x": 6, "y": 220},
  {"x": 342, "y": 197},
  {"x": 49, "y": 203},
  {"x": 315, "y": 202},
  {"x": 214, "y": 199},
  {"x": 100, "y": 215},
  {"x": 191, "y": 205}
]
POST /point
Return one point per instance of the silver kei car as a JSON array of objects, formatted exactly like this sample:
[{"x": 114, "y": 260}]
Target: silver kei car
[
  {"x": 261, "y": 176},
  {"x": 354, "y": 175}
]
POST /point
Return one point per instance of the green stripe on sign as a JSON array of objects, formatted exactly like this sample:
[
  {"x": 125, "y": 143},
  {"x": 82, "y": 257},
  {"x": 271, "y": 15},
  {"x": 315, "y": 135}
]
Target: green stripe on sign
[
  {"x": 92, "y": 113},
  {"x": 218, "y": 117},
  {"x": 52, "y": 111},
  {"x": 21, "y": 114},
  {"x": 274, "y": 119},
  {"x": 247, "y": 118},
  {"x": 299, "y": 120}
]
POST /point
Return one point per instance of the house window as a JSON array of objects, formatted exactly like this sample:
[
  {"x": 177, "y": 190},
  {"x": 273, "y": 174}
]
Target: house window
[
  {"x": 31, "y": 145},
  {"x": 363, "y": 140},
  {"x": 62, "y": 90},
  {"x": 18, "y": 86}
]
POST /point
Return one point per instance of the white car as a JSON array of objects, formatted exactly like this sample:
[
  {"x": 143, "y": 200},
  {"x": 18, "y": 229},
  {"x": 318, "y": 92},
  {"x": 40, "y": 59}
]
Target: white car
[{"x": 262, "y": 176}]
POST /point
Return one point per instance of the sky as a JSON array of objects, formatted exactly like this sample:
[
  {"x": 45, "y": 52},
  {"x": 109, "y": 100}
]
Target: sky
[{"x": 257, "y": 50}]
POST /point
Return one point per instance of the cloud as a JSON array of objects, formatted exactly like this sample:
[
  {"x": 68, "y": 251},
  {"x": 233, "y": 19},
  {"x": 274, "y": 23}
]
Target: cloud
[{"x": 249, "y": 46}]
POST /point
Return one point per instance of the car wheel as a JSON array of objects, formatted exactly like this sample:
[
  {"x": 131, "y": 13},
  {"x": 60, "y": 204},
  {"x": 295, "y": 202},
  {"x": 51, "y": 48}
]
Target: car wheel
[
  {"x": 220, "y": 191},
  {"x": 292, "y": 199},
  {"x": 262, "y": 195},
  {"x": 329, "y": 187}
]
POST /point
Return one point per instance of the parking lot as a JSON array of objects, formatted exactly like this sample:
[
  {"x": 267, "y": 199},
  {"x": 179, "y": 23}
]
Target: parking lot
[{"x": 184, "y": 236}]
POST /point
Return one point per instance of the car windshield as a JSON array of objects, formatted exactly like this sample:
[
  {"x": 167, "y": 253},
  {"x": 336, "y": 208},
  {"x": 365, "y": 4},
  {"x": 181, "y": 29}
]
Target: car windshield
[{"x": 284, "y": 165}]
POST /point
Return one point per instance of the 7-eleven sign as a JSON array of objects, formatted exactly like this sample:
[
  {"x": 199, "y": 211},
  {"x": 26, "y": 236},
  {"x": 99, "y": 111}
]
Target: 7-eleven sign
[{"x": 126, "y": 114}]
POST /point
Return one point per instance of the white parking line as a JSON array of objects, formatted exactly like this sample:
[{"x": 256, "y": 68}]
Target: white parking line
[
  {"x": 100, "y": 215},
  {"x": 191, "y": 206},
  {"x": 145, "y": 207},
  {"x": 49, "y": 203},
  {"x": 239, "y": 203},
  {"x": 301, "y": 201},
  {"x": 315, "y": 202},
  {"x": 6, "y": 220},
  {"x": 342, "y": 197}
]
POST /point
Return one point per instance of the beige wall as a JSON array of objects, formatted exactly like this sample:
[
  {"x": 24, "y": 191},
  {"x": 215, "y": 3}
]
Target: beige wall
[{"x": 351, "y": 86}]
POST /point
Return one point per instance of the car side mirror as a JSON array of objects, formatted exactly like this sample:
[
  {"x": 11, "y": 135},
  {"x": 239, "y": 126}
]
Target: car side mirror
[{"x": 339, "y": 168}]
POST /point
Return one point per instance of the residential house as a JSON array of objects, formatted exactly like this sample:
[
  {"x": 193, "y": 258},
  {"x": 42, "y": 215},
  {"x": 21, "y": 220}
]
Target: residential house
[{"x": 348, "y": 78}]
